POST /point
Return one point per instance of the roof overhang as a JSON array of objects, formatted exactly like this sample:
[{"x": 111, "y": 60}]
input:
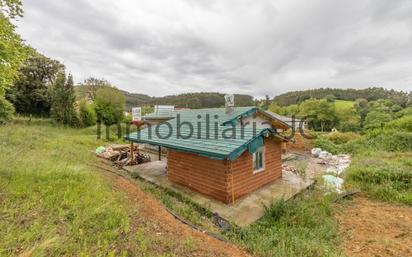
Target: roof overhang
[
  {"x": 278, "y": 123},
  {"x": 250, "y": 145}
]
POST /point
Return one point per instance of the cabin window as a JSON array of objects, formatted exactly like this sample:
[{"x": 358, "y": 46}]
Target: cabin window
[{"x": 259, "y": 160}]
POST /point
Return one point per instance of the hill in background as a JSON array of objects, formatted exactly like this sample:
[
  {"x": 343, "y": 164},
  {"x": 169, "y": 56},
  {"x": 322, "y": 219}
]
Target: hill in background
[
  {"x": 188, "y": 100},
  {"x": 213, "y": 99}
]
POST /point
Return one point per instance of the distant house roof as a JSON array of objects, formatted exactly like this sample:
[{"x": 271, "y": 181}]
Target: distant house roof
[{"x": 219, "y": 136}]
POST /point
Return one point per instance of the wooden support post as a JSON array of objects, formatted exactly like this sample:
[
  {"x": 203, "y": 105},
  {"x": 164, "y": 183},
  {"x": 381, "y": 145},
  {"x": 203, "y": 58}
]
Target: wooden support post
[{"x": 160, "y": 153}]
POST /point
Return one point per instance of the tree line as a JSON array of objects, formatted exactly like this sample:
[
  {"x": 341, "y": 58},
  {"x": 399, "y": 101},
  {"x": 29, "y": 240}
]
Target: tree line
[
  {"x": 370, "y": 94},
  {"x": 202, "y": 100},
  {"x": 42, "y": 88}
]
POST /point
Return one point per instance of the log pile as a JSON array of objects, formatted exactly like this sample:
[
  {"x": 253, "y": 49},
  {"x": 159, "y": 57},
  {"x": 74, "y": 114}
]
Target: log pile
[{"x": 121, "y": 155}]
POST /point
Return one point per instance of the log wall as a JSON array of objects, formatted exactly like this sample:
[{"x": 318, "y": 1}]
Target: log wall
[{"x": 214, "y": 178}]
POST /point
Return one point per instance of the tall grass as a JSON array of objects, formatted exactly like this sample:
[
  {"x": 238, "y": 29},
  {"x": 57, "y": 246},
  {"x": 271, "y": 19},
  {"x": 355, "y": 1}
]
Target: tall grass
[
  {"x": 383, "y": 176},
  {"x": 52, "y": 203},
  {"x": 300, "y": 227}
]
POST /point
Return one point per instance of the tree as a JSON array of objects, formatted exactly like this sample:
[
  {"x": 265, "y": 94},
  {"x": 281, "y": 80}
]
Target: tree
[
  {"x": 109, "y": 105},
  {"x": 292, "y": 110},
  {"x": 11, "y": 8},
  {"x": 12, "y": 52},
  {"x": 63, "y": 109},
  {"x": 362, "y": 108},
  {"x": 146, "y": 109},
  {"x": 6, "y": 110},
  {"x": 348, "y": 118},
  {"x": 87, "y": 114},
  {"x": 267, "y": 101},
  {"x": 91, "y": 85},
  {"x": 31, "y": 93},
  {"x": 330, "y": 98},
  {"x": 320, "y": 114},
  {"x": 377, "y": 119},
  {"x": 273, "y": 107},
  {"x": 405, "y": 112}
]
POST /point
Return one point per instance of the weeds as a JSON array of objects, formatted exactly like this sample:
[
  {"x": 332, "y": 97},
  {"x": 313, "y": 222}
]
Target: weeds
[
  {"x": 51, "y": 204},
  {"x": 300, "y": 227},
  {"x": 383, "y": 176}
]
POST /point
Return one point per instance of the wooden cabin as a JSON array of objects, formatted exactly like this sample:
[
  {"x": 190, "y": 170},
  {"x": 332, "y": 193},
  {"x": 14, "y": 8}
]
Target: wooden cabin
[{"x": 222, "y": 154}]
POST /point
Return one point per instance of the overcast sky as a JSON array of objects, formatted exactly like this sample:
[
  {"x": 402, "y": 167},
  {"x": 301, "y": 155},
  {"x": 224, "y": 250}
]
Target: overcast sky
[{"x": 160, "y": 47}]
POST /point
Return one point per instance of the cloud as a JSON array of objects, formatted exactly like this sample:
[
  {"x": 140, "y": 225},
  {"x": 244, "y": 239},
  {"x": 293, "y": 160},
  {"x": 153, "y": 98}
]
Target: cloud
[{"x": 242, "y": 46}]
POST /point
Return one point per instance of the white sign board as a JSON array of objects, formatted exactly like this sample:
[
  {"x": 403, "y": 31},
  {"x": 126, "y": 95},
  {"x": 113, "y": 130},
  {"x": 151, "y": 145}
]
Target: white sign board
[
  {"x": 137, "y": 113},
  {"x": 230, "y": 100}
]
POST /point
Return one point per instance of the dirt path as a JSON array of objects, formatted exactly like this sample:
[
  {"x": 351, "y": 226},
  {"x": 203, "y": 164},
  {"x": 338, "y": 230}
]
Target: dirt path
[
  {"x": 164, "y": 226},
  {"x": 371, "y": 228}
]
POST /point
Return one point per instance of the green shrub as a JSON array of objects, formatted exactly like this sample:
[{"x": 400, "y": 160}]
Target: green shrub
[
  {"x": 128, "y": 119},
  {"x": 327, "y": 145},
  {"x": 405, "y": 112},
  {"x": 341, "y": 138},
  {"x": 355, "y": 146},
  {"x": 109, "y": 105},
  {"x": 87, "y": 114},
  {"x": 349, "y": 126},
  {"x": 390, "y": 140},
  {"x": 404, "y": 123},
  {"x": 377, "y": 119}
]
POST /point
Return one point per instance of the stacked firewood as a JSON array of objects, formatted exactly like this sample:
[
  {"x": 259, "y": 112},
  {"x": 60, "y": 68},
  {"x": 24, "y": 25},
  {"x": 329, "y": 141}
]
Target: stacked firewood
[{"x": 121, "y": 155}]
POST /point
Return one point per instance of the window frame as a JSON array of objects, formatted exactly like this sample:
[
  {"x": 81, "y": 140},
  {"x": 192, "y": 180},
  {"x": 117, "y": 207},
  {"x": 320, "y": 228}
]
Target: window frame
[{"x": 263, "y": 157}]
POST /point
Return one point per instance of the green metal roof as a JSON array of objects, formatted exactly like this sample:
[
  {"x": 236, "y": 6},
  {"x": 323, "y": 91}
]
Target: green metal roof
[
  {"x": 215, "y": 114},
  {"x": 217, "y": 142},
  {"x": 217, "y": 137}
]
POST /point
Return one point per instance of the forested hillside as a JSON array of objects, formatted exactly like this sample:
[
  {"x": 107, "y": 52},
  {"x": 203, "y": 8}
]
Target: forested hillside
[
  {"x": 188, "y": 100},
  {"x": 370, "y": 94},
  {"x": 201, "y": 100}
]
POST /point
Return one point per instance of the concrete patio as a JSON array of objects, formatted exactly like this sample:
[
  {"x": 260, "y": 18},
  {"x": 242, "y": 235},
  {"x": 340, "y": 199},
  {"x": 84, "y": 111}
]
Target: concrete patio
[{"x": 244, "y": 211}]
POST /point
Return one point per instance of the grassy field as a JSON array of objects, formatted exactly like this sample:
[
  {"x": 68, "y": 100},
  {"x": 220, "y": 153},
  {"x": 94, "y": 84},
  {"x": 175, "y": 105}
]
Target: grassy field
[
  {"x": 342, "y": 104},
  {"x": 54, "y": 202}
]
